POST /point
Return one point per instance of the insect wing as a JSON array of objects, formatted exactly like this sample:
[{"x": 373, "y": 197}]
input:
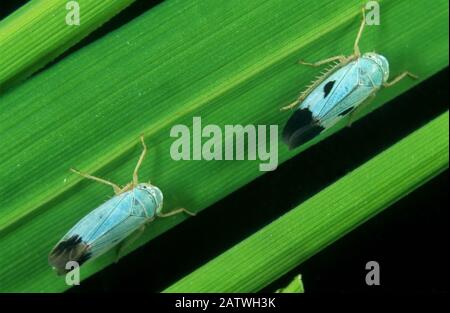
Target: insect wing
[
  {"x": 98, "y": 231},
  {"x": 102, "y": 219},
  {"x": 335, "y": 97},
  {"x": 305, "y": 123},
  {"x": 330, "y": 95}
]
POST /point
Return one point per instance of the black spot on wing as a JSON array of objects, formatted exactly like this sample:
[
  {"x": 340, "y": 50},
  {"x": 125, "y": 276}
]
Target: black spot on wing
[
  {"x": 300, "y": 128},
  {"x": 346, "y": 111},
  {"x": 328, "y": 87}
]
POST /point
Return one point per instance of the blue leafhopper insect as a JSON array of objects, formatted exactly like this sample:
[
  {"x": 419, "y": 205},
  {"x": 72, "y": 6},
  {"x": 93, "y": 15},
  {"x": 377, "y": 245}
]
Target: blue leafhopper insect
[
  {"x": 340, "y": 90},
  {"x": 117, "y": 222}
]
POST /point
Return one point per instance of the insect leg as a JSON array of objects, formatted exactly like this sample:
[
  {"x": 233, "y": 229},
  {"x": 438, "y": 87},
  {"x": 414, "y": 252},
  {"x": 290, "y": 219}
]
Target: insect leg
[
  {"x": 290, "y": 106},
  {"x": 340, "y": 58},
  {"x": 117, "y": 189},
  {"x": 138, "y": 165},
  {"x": 399, "y": 78},
  {"x": 174, "y": 212},
  {"x": 128, "y": 241},
  {"x": 356, "y": 51}
]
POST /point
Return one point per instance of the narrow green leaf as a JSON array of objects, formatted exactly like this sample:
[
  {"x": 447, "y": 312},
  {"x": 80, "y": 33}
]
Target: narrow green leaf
[
  {"x": 37, "y": 33},
  {"x": 295, "y": 286},
  {"x": 255, "y": 262}
]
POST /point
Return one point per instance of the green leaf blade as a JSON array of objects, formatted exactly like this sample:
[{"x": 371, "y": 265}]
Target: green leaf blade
[
  {"x": 37, "y": 33},
  {"x": 327, "y": 216}
]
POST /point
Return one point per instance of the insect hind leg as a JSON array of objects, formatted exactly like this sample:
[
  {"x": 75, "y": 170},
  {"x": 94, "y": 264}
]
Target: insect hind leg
[
  {"x": 341, "y": 59},
  {"x": 174, "y": 212},
  {"x": 399, "y": 78}
]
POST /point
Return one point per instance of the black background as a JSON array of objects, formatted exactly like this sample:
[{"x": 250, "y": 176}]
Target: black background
[{"x": 409, "y": 239}]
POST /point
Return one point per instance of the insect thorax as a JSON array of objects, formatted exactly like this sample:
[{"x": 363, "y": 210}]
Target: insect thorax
[
  {"x": 377, "y": 67},
  {"x": 149, "y": 198}
]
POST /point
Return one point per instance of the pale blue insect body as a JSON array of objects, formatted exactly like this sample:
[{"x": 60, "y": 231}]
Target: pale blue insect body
[
  {"x": 115, "y": 220},
  {"x": 111, "y": 223},
  {"x": 338, "y": 92},
  {"x": 347, "y": 88}
]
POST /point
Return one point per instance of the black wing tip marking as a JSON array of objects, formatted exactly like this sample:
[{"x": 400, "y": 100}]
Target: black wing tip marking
[
  {"x": 300, "y": 118},
  {"x": 84, "y": 258},
  {"x": 72, "y": 249},
  {"x": 66, "y": 245},
  {"x": 300, "y": 128}
]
